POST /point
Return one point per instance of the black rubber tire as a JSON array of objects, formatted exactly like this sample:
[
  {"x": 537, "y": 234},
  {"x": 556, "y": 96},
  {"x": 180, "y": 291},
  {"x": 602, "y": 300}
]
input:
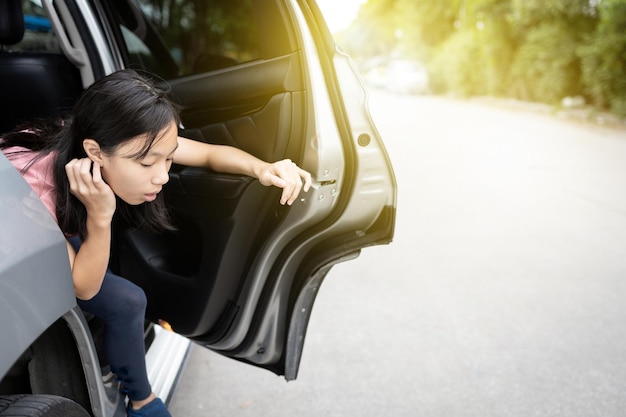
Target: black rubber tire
[{"x": 39, "y": 406}]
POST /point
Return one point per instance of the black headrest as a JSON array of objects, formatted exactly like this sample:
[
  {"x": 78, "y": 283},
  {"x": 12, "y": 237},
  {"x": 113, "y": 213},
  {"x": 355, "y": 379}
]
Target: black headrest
[{"x": 11, "y": 22}]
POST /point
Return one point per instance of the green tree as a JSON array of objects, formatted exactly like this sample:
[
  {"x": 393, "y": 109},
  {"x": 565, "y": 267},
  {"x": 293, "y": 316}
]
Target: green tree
[
  {"x": 491, "y": 20},
  {"x": 373, "y": 32},
  {"x": 540, "y": 50},
  {"x": 546, "y": 66},
  {"x": 604, "y": 58},
  {"x": 475, "y": 58},
  {"x": 196, "y": 29},
  {"x": 457, "y": 66},
  {"x": 429, "y": 23}
]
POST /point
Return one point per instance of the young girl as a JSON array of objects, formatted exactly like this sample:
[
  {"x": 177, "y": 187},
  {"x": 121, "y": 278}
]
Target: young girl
[{"x": 112, "y": 157}]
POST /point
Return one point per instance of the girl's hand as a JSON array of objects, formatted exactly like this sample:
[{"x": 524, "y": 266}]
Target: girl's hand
[
  {"x": 288, "y": 176},
  {"x": 87, "y": 185}
]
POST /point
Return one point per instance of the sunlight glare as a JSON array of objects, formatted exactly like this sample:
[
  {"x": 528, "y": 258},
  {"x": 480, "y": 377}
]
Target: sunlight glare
[{"x": 339, "y": 13}]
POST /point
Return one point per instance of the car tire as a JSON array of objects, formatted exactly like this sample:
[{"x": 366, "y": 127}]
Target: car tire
[{"x": 39, "y": 406}]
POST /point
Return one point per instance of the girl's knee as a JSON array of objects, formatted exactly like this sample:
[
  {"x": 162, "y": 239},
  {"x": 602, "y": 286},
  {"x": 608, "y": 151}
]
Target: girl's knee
[
  {"x": 132, "y": 300},
  {"x": 118, "y": 299}
]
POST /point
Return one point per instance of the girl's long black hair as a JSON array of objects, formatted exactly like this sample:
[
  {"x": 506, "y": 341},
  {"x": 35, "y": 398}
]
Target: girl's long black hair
[{"x": 112, "y": 111}]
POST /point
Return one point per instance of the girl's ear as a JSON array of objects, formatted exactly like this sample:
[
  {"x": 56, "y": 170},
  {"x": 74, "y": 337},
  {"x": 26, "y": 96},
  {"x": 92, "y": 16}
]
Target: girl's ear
[{"x": 93, "y": 151}]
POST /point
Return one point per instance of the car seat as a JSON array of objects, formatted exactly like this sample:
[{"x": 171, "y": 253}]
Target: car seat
[{"x": 33, "y": 84}]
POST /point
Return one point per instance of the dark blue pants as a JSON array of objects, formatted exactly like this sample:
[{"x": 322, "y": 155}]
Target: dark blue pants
[{"x": 121, "y": 305}]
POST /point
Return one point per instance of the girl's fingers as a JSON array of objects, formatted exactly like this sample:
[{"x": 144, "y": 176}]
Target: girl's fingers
[
  {"x": 96, "y": 174},
  {"x": 79, "y": 176},
  {"x": 293, "y": 178},
  {"x": 287, "y": 175},
  {"x": 85, "y": 177},
  {"x": 87, "y": 184},
  {"x": 306, "y": 176},
  {"x": 72, "y": 170}
]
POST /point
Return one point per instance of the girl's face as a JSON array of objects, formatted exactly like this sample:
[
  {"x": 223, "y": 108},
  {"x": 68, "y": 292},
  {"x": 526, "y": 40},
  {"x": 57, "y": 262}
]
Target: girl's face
[{"x": 137, "y": 181}]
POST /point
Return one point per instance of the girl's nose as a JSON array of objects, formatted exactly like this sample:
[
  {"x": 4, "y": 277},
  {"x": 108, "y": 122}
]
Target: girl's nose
[{"x": 161, "y": 177}]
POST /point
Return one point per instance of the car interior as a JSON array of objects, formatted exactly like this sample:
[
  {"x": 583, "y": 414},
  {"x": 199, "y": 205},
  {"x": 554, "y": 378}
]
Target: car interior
[{"x": 35, "y": 83}]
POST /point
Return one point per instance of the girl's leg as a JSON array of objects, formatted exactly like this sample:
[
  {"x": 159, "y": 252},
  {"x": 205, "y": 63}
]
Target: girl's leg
[{"x": 121, "y": 305}]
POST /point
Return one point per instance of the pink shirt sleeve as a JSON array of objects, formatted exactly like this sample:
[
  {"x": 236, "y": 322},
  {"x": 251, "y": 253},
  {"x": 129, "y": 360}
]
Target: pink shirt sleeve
[{"x": 38, "y": 175}]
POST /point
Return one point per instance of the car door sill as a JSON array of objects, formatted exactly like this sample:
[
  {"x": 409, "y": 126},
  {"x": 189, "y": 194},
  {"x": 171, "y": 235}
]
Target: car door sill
[{"x": 166, "y": 360}]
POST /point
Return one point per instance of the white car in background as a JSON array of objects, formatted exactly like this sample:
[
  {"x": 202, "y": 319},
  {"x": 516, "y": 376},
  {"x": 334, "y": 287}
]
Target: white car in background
[{"x": 407, "y": 77}]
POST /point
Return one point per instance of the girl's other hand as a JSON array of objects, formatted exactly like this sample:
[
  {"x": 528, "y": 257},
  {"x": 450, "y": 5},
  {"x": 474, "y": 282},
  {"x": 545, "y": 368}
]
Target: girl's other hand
[
  {"x": 86, "y": 184},
  {"x": 287, "y": 175}
]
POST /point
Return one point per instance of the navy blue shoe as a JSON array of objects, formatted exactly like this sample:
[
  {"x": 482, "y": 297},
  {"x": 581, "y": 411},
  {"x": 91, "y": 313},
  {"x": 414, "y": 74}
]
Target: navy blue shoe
[{"x": 154, "y": 408}]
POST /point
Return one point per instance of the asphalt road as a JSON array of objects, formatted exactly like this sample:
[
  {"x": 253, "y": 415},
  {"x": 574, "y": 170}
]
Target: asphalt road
[{"x": 503, "y": 294}]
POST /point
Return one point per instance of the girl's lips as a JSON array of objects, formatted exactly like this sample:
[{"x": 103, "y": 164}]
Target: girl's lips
[{"x": 150, "y": 197}]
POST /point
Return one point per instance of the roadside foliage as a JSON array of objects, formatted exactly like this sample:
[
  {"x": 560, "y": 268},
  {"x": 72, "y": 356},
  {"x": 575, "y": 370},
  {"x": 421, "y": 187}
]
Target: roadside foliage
[{"x": 535, "y": 50}]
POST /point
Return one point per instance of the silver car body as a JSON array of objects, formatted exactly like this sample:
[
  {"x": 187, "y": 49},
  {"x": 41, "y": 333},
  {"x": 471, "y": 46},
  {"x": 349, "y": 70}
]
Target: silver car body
[{"x": 351, "y": 205}]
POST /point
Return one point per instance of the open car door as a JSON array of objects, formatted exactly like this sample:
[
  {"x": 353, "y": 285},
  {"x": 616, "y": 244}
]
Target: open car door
[{"x": 241, "y": 272}]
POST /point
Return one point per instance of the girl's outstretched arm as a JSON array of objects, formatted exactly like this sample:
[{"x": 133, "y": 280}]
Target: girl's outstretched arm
[{"x": 283, "y": 174}]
